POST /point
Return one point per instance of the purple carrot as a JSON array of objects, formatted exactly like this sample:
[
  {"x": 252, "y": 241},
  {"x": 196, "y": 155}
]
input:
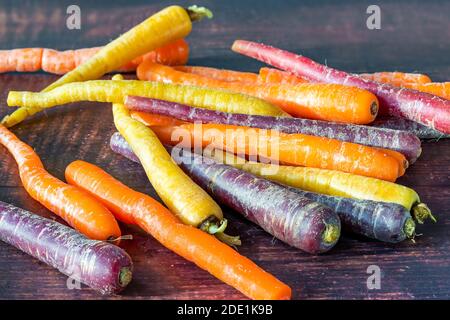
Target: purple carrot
[
  {"x": 295, "y": 220},
  {"x": 404, "y": 142},
  {"x": 100, "y": 265},
  {"x": 421, "y": 131},
  {"x": 388, "y": 222},
  {"x": 421, "y": 107}
]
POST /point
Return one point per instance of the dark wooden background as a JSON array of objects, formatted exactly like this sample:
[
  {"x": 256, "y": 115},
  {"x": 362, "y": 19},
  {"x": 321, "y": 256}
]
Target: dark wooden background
[{"x": 414, "y": 36}]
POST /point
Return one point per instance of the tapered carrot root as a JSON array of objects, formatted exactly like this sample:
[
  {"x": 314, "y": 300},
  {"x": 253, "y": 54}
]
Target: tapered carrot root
[
  {"x": 310, "y": 100},
  {"x": 194, "y": 245},
  {"x": 75, "y": 206},
  {"x": 116, "y": 91},
  {"x": 414, "y": 105}
]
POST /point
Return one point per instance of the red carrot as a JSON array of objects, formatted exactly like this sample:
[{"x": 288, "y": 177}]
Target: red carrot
[{"x": 411, "y": 104}]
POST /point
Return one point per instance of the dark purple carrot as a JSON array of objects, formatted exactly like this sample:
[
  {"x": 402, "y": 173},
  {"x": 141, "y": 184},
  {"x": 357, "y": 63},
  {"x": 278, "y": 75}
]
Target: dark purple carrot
[
  {"x": 414, "y": 105},
  {"x": 295, "y": 220},
  {"x": 421, "y": 131},
  {"x": 388, "y": 222},
  {"x": 100, "y": 265},
  {"x": 404, "y": 142}
]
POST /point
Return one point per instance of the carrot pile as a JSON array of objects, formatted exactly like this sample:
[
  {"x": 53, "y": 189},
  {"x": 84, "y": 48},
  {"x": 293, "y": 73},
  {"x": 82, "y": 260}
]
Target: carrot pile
[{"x": 298, "y": 148}]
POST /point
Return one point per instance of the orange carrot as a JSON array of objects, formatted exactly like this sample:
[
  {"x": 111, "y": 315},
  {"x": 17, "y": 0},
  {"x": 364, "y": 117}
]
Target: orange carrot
[
  {"x": 20, "y": 60},
  {"x": 76, "y": 207},
  {"x": 441, "y": 89},
  {"x": 220, "y": 74},
  {"x": 396, "y": 78},
  {"x": 275, "y": 76},
  {"x": 61, "y": 62},
  {"x": 293, "y": 149},
  {"x": 331, "y": 102},
  {"x": 191, "y": 243},
  {"x": 155, "y": 120}
]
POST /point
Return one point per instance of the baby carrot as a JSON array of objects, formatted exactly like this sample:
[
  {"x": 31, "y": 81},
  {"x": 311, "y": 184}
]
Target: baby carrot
[
  {"x": 396, "y": 78},
  {"x": 75, "y": 206},
  {"x": 169, "y": 24},
  {"x": 192, "y": 244},
  {"x": 181, "y": 195},
  {"x": 333, "y": 102},
  {"x": 219, "y": 74},
  {"x": 115, "y": 92},
  {"x": 20, "y": 60},
  {"x": 294, "y": 149}
]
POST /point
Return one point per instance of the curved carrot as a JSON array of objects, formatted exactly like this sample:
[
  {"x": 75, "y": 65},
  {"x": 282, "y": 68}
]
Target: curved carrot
[
  {"x": 75, "y": 206},
  {"x": 219, "y": 74},
  {"x": 21, "y": 60},
  {"x": 115, "y": 92},
  {"x": 294, "y": 149},
  {"x": 167, "y": 25},
  {"x": 192, "y": 244},
  {"x": 396, "y": 78},
  {"x": 310, "y": 100}
]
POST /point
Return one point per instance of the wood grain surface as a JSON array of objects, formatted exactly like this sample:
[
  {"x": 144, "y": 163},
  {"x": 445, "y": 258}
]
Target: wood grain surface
[{"x": 414, "y": 36}]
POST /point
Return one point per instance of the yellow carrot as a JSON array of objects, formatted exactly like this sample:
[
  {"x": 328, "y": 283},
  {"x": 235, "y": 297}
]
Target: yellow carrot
[
  {"x": 167, "y": 25},
  {"x": 334, "y": 183},
  {"x": 181, "y": 195},
  {"x": 115, "y": 92}
]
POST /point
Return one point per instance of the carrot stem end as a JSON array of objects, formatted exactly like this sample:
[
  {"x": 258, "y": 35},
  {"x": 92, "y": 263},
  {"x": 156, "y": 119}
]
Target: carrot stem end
[{"x": 197, "y": 13}]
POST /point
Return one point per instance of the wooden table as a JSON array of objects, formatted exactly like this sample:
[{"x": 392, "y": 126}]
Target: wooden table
[{"x": 414, "y": 36}]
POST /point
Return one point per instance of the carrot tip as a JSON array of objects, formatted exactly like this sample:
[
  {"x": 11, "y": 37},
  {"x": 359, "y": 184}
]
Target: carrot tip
[{"x": 421, "y": 212}]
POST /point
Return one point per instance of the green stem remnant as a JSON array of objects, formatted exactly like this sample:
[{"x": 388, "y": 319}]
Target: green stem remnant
[
  {"x": 215, "y": 227},
  {"x": 125, "y": 276},
  {"x": 410, "y": 228},
  {"x": 198, "y": 13},
  {"x": 331, "y": 233},
  {"x": 421, "y": 212}
]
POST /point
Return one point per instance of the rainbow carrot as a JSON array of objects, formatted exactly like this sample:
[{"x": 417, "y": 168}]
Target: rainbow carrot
[
  {"x": 310, "y": 100},
  {"x": 166, "y": 26},
  {"x": 75, "y": 206},
  {"x": 192, "y": 244},
  {"x": 414, "y": 105}
]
